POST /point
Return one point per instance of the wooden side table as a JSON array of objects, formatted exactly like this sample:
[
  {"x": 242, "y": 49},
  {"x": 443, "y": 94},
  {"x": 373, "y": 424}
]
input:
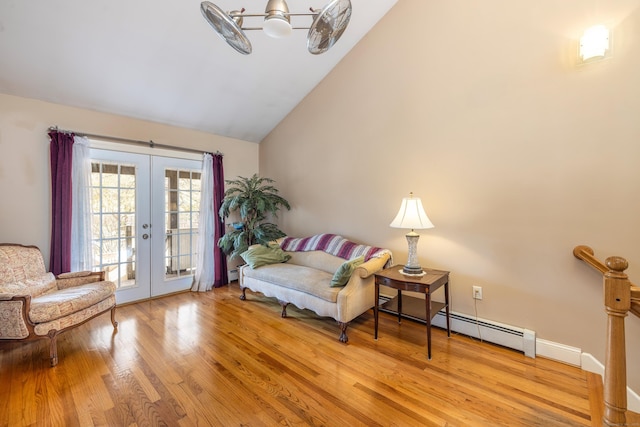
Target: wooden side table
[{"x": 426, "y": 284}]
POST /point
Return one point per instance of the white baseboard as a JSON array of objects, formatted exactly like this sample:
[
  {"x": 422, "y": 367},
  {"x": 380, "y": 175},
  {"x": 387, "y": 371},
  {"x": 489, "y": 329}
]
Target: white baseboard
[
  {"x": 524, "y": 340},
  {"x": 498, "y": 333},
  {"x": 520, "y": 339},
  {"x": 560, "y": 352}
]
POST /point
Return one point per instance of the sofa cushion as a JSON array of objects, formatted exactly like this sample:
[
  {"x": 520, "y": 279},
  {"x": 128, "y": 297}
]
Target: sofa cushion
[
  {"x": 344, "y": 272},
  {"x": 316, "y": 259},
  {"x": 259, "y": 255},
  {"x": 301, "y": 278},
  {"x": 75, "y": 318},
  {"x": 54, "y": 305}
]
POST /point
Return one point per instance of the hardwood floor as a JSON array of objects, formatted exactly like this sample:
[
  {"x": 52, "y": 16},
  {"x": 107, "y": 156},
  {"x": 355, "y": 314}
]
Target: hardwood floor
[{"x": 209, "y": 359}]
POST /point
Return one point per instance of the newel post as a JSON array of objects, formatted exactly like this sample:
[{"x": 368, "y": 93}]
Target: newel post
[{"x": 617, "y": 301}]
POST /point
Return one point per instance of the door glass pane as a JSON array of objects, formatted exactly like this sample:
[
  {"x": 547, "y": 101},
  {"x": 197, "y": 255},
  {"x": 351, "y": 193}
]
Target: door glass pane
[
  {"x": 109, "y": 225},
  {"x": 128, "y": 177},
  {"x": 114, "y": 207},
  {"x": 127, "y": 200},
  {"x": 182, "y": 197},
  {"x": 109, "y": 200}
]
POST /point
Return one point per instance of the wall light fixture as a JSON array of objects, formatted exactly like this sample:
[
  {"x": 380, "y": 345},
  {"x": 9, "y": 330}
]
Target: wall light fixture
[{"x": 594, "y": 43}]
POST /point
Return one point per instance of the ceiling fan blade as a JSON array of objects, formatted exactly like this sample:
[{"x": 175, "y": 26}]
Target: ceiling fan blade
[
  {"x": 228, "y": 28},
  {"x": 328, "y": 26}
]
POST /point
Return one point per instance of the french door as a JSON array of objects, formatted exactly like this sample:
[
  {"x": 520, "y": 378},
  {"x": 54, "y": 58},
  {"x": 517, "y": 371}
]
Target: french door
[{"x": 145, "y": 214}]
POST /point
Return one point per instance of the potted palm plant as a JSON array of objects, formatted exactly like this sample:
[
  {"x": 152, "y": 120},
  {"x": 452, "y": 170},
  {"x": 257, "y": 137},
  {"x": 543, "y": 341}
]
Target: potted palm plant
[{"x": 255, "y": 199}]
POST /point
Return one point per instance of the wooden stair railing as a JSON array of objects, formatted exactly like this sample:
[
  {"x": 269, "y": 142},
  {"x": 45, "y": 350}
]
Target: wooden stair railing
[{"x": 620, "y": 297}]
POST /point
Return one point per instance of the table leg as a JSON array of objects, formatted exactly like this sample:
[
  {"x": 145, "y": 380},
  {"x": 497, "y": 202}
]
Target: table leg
[
  {"x": 375, "y": 311},
  {"x": 399, "y": 306},
  {"x": 446, "y": 301},
  {"x": 427, "y": 299}
]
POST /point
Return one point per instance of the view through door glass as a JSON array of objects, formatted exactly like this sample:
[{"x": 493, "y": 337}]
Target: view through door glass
[
  {"x": 178, "y": 218},
  {"x": 145, "y": 212}
]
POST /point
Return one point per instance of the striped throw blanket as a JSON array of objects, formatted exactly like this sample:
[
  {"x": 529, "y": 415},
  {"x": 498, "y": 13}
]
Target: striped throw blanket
[{"x": 334, "y": 245}]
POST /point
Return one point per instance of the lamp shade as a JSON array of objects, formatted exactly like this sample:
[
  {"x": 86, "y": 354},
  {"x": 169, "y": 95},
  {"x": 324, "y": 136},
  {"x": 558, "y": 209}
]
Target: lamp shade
[{"x": 411, "y": 215}]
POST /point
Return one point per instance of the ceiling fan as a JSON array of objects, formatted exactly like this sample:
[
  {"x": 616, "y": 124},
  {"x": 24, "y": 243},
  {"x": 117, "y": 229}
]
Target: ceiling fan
[{"x": 325, "y": 30}]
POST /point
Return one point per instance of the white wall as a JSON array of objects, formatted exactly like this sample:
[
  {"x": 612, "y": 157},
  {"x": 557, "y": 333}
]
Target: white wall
[
  {"x": 518, "y": 154},
  {"x": 25, "y": 184}
]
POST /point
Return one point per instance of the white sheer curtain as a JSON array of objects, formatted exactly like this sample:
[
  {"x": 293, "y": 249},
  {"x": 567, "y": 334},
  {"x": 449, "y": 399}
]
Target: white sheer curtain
[
  {"x": 205, "y": 269},
  {"x": 81, "y": 257}
]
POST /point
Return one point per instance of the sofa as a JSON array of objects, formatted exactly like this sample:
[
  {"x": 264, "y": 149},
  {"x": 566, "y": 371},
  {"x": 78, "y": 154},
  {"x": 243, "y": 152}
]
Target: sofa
[
  {"x": 325, "y": 273},
  {"x": 35, "y": 304}
]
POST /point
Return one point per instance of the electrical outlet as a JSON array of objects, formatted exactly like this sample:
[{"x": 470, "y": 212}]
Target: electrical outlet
[{"x": 477, "y": 292}]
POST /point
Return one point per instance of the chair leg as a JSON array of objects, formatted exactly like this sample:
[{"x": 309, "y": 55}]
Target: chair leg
[
  {"x": 343, "y": 332},
  {"x": 284, "y": 308},
  {"x": 53, "y": 347},
  {"x": 113, "y": 318}
]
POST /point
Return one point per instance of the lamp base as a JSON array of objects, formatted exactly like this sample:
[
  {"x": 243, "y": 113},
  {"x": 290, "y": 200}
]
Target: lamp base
[
  {"x": 412, "y": 267},
  {"x": 412, "y": 271}
]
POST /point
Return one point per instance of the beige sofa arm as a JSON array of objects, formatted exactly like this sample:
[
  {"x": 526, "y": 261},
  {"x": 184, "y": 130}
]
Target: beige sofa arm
[
  {"x": 14, "y": 311},
  {"x": 372, "y": 266},
  {"x": 69, "y": 280},
  {"x": 358, "y": 295}
]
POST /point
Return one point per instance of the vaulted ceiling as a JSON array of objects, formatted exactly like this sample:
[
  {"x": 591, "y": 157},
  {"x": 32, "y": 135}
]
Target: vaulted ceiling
[{"x": 161, "y": 61}]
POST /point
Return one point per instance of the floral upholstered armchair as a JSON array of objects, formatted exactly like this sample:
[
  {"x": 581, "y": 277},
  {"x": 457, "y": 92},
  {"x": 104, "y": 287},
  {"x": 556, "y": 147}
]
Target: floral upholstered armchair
[{"x": 35, "y": 304}]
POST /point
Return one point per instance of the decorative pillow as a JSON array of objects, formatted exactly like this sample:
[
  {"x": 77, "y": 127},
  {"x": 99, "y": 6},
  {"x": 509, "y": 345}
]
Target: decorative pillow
[
  {"x": 258, "y": 255},
  {"x": 343, "y": 273}
]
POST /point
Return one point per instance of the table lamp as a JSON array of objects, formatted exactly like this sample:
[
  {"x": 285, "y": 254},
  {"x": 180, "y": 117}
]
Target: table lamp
[{"x": 412, "y": 216}]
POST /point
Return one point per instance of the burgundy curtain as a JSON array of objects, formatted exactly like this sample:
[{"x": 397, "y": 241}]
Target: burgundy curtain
[
  {"x": 219, "y": 258},
  {"x": 61, "y": 157}
]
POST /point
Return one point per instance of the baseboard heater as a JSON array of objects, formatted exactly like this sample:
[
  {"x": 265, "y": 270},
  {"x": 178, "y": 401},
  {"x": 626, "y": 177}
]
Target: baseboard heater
[{"x": 516, "y": 338}]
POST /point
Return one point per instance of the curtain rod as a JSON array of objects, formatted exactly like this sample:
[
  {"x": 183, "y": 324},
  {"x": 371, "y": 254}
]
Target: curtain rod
[{"x": 149, "y": 143}]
